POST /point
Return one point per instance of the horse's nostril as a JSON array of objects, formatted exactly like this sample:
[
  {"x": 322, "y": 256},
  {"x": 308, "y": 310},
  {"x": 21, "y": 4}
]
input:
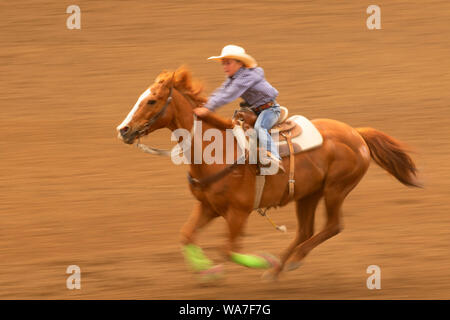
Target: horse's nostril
[{"x": 124, "y": 130}]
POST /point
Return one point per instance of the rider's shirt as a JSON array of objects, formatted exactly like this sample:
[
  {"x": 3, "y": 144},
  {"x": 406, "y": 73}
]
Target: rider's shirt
[{"x": 248, "y": 83}]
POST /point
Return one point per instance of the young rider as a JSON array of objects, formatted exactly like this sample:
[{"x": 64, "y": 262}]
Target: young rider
[{"x": 246, "y": 80}]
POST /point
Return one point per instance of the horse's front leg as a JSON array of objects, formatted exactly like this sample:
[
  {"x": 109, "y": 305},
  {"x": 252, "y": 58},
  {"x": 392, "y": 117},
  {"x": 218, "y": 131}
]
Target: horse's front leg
[
  {"x": 201, "y": 215},
  {"x": 236, "y": 220}
]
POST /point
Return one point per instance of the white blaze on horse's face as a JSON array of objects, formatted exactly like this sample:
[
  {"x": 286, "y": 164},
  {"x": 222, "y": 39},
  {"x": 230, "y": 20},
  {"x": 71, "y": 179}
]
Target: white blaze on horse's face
[{"x": 133, "y": 111}]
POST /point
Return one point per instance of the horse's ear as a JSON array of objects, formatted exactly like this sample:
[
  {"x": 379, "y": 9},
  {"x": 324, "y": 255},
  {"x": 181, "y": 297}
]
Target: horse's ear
[
  {"x": 162, "y": 76},
  {"x": 168, "y": 80},
  {"x": 182, "y": 76}
]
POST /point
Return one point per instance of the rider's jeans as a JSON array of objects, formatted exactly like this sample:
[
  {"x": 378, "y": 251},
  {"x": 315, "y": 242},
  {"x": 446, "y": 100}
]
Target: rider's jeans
[{"x": 266, "y": 119}]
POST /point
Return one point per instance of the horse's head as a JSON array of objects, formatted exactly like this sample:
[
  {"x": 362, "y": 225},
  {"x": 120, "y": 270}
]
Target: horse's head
[{"x": 150, "y": 111}]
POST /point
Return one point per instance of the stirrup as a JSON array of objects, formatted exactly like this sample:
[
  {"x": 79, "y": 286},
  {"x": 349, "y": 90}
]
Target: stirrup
[{"x": 271, "y": 160}]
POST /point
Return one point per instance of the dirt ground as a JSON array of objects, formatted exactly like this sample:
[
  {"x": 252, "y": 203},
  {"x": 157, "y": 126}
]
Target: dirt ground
[{"x": 71, "y": 193}]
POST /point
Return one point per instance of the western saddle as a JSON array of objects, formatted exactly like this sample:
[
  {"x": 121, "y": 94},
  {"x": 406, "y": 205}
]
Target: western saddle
[
  {"x": 287, "y": 129},
  {"x": 247, "y": 117}
]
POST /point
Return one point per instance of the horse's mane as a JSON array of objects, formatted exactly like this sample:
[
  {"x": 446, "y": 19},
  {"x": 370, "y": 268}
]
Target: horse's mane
[
  {"x": 193, "y": 88},
  {"x": 184, "y": 82}
]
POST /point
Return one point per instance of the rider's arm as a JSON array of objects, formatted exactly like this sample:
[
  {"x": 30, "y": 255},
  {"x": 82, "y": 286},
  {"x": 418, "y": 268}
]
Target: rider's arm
[{"x": 231, "y": 90}]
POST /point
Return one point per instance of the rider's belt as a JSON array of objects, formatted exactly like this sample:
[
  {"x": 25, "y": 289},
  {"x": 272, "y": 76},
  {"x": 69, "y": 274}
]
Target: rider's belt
[{"x": 263, "y": 107}]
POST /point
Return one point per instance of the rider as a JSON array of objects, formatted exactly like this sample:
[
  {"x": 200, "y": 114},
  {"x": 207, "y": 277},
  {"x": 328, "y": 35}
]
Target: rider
[{"x": 246, "y": 80}]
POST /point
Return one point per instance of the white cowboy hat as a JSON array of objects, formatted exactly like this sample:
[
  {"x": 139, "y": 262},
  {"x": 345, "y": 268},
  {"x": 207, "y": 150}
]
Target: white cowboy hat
[{"x": 236, "y": 52}]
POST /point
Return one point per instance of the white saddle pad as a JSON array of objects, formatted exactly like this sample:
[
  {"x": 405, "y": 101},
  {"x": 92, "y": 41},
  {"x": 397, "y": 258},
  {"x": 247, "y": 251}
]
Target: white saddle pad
[{"x": 309, "y": 138}]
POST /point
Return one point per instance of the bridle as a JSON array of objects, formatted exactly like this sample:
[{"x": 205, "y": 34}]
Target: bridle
[
  {"x": 158, "y": 115},
  {"x": 150, "y": 122},
  {"x": 196, "y": 183}
]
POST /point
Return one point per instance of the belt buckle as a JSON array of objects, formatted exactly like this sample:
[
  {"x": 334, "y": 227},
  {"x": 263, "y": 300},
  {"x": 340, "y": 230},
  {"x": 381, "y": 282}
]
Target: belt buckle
[{"x": 264, "y": 106}]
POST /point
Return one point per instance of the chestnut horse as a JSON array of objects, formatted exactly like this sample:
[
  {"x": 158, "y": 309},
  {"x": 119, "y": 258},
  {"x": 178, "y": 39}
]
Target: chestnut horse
[{"x": 330, "y": 172}]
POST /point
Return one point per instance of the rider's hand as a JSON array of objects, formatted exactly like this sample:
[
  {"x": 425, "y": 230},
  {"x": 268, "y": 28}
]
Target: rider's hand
[{"x": 202, "y": 111}]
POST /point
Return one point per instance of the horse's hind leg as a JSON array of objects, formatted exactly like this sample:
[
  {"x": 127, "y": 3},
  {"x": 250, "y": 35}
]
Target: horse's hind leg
[
  {"x": 335, "y": 191},
  {"x": 305, "y": 209},
  {"x": 333, "y": 204},
  {"x": 201, "y": 215}
]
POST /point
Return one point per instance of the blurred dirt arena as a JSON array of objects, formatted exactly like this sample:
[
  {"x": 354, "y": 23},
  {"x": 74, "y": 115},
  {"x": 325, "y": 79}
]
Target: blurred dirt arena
[{"x": 71, "y": 193}]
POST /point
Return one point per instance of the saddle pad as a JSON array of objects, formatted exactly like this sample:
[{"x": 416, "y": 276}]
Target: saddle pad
[{"x": 308, "y": 139}]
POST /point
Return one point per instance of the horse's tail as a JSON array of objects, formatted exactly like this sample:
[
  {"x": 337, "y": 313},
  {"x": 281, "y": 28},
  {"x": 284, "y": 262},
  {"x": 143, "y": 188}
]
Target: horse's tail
[{"x": 390, "y": 154}]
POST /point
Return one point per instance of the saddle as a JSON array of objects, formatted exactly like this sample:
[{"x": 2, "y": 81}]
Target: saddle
[
  {"x": 284, "y": 126},
  {"x": 296, "y": 134}
]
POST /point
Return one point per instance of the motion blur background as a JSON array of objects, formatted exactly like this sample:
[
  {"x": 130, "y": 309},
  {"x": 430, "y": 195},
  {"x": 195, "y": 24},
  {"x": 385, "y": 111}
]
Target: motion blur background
[{"x": 72, "y": 194}]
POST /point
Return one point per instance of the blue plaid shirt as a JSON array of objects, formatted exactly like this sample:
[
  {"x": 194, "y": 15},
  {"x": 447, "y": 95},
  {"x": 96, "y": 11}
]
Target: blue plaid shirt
[{"x": 248, "y": 83}]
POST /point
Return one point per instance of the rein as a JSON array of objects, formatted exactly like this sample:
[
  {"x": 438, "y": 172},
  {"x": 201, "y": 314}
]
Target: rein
[{"x": 205, "y": 182}]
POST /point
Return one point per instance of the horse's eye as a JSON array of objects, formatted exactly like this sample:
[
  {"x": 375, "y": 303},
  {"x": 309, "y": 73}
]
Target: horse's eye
[{"x": 151, "y": 101}]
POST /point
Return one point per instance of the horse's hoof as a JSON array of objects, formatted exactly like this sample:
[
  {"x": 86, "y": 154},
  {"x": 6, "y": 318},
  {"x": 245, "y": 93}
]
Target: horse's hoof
[
  {"x": 269, "y": 276},
  {"x": 211, "y": 274},
  {"x": 291, "y": 266}
]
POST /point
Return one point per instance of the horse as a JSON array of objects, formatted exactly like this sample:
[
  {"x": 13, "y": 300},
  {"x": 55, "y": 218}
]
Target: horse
[{"x": 329, "y": 172}]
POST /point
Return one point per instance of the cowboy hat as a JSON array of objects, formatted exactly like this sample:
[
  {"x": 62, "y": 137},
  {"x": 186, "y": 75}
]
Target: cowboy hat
[{"x": 236, "y": 52}]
